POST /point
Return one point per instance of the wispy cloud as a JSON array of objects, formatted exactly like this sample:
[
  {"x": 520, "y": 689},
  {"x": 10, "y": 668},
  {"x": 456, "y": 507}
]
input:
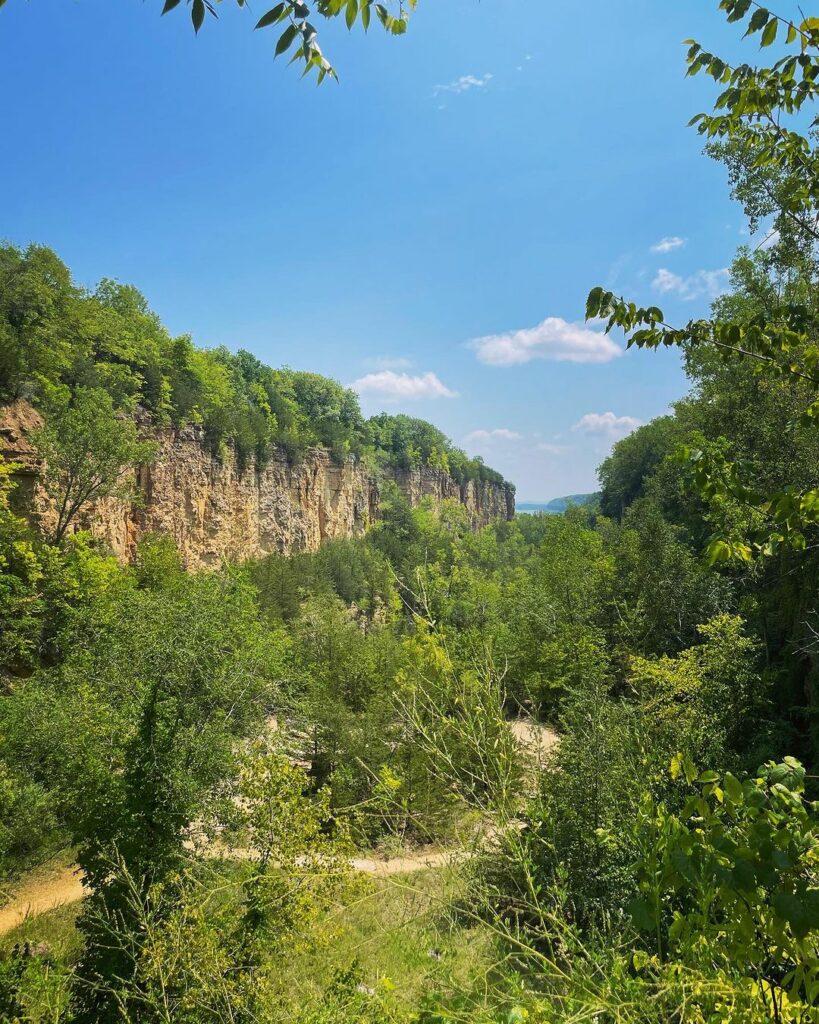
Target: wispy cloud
[
  {"x": 552, "y": 449},
  {"x": 668, "y": 244},
  {"x": 606, "y": 424},
  {"x": 391, "y": 386},
  {"x": 553, "y": 338},
  {"x": 464, "y": 84},
  {"x": 702, "y": 283},
  {"x": 387, "y": 363},
  {"x": 498, "y": 434}
]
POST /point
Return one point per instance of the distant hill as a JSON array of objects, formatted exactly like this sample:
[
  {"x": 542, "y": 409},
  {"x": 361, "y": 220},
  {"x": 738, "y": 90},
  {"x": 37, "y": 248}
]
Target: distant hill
[{"x": 557, "y": 505}]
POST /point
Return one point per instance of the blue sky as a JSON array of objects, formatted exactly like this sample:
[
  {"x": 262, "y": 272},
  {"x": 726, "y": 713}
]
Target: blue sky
[{"x": 427, "y": 229}]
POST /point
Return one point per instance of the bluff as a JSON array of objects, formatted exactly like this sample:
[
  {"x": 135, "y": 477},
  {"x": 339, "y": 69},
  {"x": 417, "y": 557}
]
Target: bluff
[{"x": 214, "y": 510}]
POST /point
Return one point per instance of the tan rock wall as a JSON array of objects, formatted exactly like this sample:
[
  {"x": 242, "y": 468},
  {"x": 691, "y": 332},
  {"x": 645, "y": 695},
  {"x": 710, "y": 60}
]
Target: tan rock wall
[{"x": 215, "y": 511}]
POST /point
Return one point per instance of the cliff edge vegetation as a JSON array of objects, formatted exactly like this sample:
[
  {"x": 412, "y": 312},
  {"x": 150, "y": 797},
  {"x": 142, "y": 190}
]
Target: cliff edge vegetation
[{"x": 56, "y": 338}]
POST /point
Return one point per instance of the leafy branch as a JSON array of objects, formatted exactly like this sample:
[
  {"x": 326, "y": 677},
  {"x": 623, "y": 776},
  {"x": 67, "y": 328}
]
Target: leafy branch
[{"x": 299, "y": 37}]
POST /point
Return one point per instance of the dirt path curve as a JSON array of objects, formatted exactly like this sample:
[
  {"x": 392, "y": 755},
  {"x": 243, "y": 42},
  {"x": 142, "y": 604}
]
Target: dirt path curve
[
  {"x": 40, "y": 894},
  {"x": 42, "y": 891}
]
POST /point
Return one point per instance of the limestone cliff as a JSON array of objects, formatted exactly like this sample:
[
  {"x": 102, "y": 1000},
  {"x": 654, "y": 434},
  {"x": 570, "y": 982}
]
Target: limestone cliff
[
  {"x": 484, "y": 501},
  {"x": 215, "y": 511}
]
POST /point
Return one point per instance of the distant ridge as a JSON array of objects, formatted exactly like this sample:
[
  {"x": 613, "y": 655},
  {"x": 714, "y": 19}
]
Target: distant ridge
[{"x": 557, "y": 505}]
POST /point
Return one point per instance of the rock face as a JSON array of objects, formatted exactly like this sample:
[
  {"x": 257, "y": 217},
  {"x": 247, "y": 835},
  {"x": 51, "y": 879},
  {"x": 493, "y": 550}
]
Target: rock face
[
  {"x": 214, "y": 511},
  {"x": 483, "y": 500}
]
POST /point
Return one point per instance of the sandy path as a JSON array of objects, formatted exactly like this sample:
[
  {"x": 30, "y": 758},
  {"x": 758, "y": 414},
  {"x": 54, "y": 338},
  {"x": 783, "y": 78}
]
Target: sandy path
[
  {"x": 404, "y": 865},
  {"x": 43, "y": 892},
  {"x": 39, "y": 895},
  {"x": 537, "y": 738}
]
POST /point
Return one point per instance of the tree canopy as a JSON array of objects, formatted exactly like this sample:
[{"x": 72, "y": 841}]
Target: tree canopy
[
  {"x": 59, "y": 339},
  {"x": 758, "y": 129}
]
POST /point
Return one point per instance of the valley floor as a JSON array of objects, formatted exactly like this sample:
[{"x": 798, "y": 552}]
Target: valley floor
[
  {"x": 60, "y": 884},
  {"x": 401, "y": 934}
]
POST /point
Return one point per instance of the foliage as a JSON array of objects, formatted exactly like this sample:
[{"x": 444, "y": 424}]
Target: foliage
[
  {"x": 135, "y": 732},
  {"x": 41, "y": 587},
  {"x": 729, "y": 884},
  {"x": 214, "y": 745},
  {"x": 208, "y": 936},
  {"x": 20, "y": 573},
  {"x": 299, "y": 35},
  {"x": 88, "y": 453},
  {"x": 623, "y": 475},
  {"x": 71, "y": 352},
  {"x": 575, "y": 854},
  {"x": 456, "y": 722},
  {"x": 757, "y": 118}
]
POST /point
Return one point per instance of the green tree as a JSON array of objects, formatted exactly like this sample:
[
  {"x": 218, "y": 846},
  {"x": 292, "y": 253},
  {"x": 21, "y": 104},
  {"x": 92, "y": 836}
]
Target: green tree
[
  {"x": 624, "y": 474},
  {"x": 40, "y": 320},
  {"x": 224, "y": 938},
  {"x": 758, "y": 119},
  {"x": 21, "y": 571},
  {"x": 729, "y": 886},
  {"x": 88, "y": 453},
  {"x": 137, "y": 733}
]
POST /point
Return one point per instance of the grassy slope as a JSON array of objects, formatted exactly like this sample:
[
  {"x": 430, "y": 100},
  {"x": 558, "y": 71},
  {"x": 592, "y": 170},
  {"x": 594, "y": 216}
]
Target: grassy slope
[{"x": 401, "y": 930}]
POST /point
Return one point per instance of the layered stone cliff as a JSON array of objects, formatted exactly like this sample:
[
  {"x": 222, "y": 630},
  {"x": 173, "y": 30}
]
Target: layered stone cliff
[{"x": 213, "y": 511}]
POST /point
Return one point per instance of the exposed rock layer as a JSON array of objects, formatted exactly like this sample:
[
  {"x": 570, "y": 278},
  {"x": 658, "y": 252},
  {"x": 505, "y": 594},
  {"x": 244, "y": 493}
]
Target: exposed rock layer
[{"x": 213, "y": 511}]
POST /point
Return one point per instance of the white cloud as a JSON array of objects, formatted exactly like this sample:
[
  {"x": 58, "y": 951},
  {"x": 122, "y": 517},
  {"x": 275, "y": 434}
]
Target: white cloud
[
  {"x": 388, "y": 363},
  {"x": 552, "y": 339},
  {"x": 551, "y": 449},
  {"x": 391, "y": 386},
  {"x": 702, "y": 283},
  {"x": 464, "y": 84},
  {"x": 498, "y": 434},
  {"x": 668, "y": 244},
  {"x": 607, "y": 424}
]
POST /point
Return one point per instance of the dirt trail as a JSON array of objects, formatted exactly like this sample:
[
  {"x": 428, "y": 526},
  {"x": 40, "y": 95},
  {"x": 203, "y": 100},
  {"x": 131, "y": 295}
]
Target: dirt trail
[
  {"x": 536, "y": 737},
  {"x": 40, "y": 894},
  {"x": 43, "y": 892}
]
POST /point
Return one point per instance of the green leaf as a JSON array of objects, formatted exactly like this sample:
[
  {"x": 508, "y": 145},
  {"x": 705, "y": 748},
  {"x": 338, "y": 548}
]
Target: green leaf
[
  {"x": 769, "y": 35},
  {"x": 198, "y": 14},
  {"x": 169, "y": 5},
  {"x": 798, "y": 910},
  {"x": 286, "y": 39},
  {"x": 642, "y": 915},
  {"x": 272, "y": 16},
  {"x": 759, "y": 18},
  {"x": 718, "y": 551},
  {"x": 733, "y": 788},
  {"x": 351, "y": 12},
  {"x": 593, "y": 302},
  {"x": 740, "y": 10}
]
